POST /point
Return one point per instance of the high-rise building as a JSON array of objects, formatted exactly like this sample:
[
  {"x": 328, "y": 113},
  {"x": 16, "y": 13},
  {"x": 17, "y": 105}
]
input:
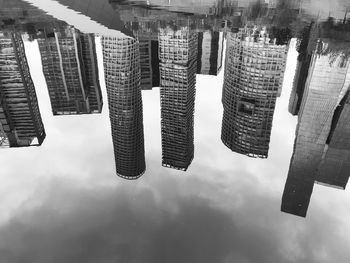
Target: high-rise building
[
  {"x": 178, "y": 54},
  {"x": 335, "y": 164},
  {"x": 300, "y": 76},
  {"x": 20, "y": 120},
  {"x": 121, "y": 61},
  {"x": 305, "y": 48},
  {"x": 70, "y": 68},
  {"x": 321, "y": 149},
  {"x": 253, "y": 79},
  {"x": 210, "y": 52},
  {"x": 149, "y": 59}
]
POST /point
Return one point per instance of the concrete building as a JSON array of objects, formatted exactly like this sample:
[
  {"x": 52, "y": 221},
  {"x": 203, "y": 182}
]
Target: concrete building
[
  {"x": 299, "y": 84},
  {"x": 305, "y": 47},
  {"x": 70, "y": 68},
  {"x": 149, "y": 59},
  {"x": 321, "y": 149},
  {"x": 178, "y": 54},
  {"x": 253, "y": 79},
  {"x": 210, "y": 52},
  {"x": 20, "y": 120},
  {"x": 121, "y": 61}
]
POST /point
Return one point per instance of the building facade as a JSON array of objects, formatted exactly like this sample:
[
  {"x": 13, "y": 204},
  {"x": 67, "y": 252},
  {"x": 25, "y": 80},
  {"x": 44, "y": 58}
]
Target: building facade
[
  {"x": 178, "y": 54},
  {"x": 210, "y": 52},
  {"x": 20, "y": 119},
  {"x": 321, "y": 149},
  {"x": 121, "y": 61},
  {"x": 149, "y": 59},
  {"x": 70, "y": 68},
  {"x": 253, "y": 79}
]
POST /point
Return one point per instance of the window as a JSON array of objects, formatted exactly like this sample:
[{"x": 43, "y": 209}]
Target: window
[{"x": 246, "y": 106}]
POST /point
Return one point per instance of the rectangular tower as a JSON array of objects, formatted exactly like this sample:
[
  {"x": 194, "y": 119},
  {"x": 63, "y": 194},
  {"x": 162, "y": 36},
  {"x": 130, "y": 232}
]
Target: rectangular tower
[
  {"x": 210, "y": 52},
  {"x": 178, "y": 53},
  {"x": 20, "y": 119},
  {"x": 149, "y": 59},
  {"x": 70, "y": 69},
  {"x": 321, "y": 148}
]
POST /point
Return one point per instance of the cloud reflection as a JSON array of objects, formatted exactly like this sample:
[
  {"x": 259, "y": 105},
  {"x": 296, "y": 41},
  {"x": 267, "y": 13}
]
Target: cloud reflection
[{"x": 129, "y": 223}]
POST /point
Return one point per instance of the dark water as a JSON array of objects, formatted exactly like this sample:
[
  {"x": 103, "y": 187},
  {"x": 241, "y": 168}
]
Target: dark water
[{"x": 174, "y": 131}]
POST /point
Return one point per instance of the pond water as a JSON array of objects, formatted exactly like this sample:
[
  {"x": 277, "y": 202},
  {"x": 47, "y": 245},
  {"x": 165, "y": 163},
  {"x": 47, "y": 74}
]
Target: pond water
[{"x": 174, "y": 131}]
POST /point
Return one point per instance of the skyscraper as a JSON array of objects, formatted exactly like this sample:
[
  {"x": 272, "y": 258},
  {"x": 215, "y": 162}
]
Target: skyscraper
[
  {"x": 149, "y": 59},
  {"x": 121, "y": 61},
  {"x": 305, "y": 46},
  {"x": 253, "y": 79},
  {"x": 210, "y": 52},
  {"x": 335, "y": 164},
  {"x": 178, "y": 53},
  {"x": 70, "y": 69},
  {"x": 20, "y": 119},
  {"x": 300, "y": 76},
  {"x": 321, "y": 149}
]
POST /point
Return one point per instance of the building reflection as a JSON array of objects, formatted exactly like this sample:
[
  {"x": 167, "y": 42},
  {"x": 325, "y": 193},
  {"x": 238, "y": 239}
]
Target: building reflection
[
  {"x": 178, "y": 64},
  {"x": 210, "y": 52},
  {"x": 253, "y": 80},
  {"x": 70, "y": 68},
  {"x": 166, "y": 49},
  {"x": 121, "y": 59},
  {"x": 321, "y": 149},
  {"x": 20, "y": 119},
  {"x": 149, "y": 57}
]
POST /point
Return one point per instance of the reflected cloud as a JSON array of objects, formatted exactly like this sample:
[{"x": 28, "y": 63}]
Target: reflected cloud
[
  {"x": 62, "y": 202},
  {"x": 130, "y": 224}
]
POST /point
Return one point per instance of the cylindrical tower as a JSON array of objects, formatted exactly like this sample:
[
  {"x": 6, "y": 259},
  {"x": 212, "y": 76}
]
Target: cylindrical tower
[
  {"x": 253, "y": 80},
  {"x": 122, "y": 76}
]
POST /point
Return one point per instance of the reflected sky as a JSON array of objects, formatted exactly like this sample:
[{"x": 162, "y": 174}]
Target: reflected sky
[{"x": 62, "y": 202}]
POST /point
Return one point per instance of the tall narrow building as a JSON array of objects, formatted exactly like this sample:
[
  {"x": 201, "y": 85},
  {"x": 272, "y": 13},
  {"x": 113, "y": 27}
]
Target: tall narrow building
[
  {"x": 121, "y": 61},
  {"x": 210, "y": 52},
  {"x": 70, "y": 68},
  {"x": 20, "y": 120},
  {"x": 305, "y": 46},
  {"x": 300, "y": 76},
  {"x": 149, "y": 59},
  {"x": 253, "y": 79},
  {"x": 321, "y": 148},
  {"x": 334, "y": 167},
  {"x": 178, "y": 54}
]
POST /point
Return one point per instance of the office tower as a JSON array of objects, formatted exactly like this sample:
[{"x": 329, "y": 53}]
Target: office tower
[
  {"x": 305, "y": 48},
  {"x": 149, "y": 59},
  {"x": 335, "y": 164},
  {"x": 20, "y": 119},
  {"x": 70, "y": 68},
  {"x": 300, "y": 76},
  {"x": 210, "y": 52},
  {"x": 321, "y": 148},
  {"x": 178, "y": 53},
  {"x": 253, "y": 79},
  {"x": 90, "y": 70},
  {"x": 121, "y": 61}
]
